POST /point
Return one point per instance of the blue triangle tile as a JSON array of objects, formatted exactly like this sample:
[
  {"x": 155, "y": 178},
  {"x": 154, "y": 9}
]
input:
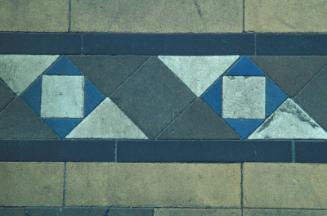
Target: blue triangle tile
[
  {"x": 244, "y": 127},
  {"x": 32, "y": 95},
  {"x": 274, "y": 97},
  {"x": 245, "y": 67},
  {"x": 63, "y": 66},
  {"x": 62, "y": 126},
  {"x": 213, "y": 96},
  {"x": 93, "y": 97}
]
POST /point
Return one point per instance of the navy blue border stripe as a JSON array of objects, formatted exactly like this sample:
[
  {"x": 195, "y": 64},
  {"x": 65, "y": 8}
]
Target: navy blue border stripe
[
  {"x": 163, "y": 44},
  {"x": 146, "y": 151},
  {"x": 311, "y": 151}
]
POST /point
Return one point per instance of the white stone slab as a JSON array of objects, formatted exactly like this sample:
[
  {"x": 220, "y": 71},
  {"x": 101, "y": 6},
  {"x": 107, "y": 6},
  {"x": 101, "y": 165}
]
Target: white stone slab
[
  {"x": 62, "y": 96},
  {"x": 289, "y": 121},
  {"x": 107, "y": 121},
  {"x": 198, "y": 72},
  {"x": 19, "y": 71},
  {"x": 244, "y": 97}
]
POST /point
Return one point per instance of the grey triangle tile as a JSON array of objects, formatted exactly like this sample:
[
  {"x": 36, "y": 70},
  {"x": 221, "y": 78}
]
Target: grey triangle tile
[
  {"x": 18, "y": 121},
  {"x": 6, "y": 95},
  {"x": 199, "y": 122},
  {"x": 108, "y": 72},
  {"x": 291, "y": 73}
]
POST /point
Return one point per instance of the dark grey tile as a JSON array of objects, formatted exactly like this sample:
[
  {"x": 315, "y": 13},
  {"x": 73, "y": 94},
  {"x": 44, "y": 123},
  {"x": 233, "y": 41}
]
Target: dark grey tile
[
  {"x": 313, "y": 98},
  {"x": 18, "y": 121},
  {"x": 199, "y": 122},
  {"x": 131, "y": 212},
  {"x": 6, "y": 95},
  {"x": 291, "y": 73},
  {"x": 311, "y": 151},
  {"x": 108, "y": 72},
  {"x": 84, "y": 211},
  {"x": 153, "y": 97},
  {"x": 12, "y": 212},
  {"x": 283, "y": 212}
]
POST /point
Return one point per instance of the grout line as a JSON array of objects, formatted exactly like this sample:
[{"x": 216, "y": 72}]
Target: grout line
[
  {"x": 82, "y": 45},
  {"x": 242, "y": 193},
  {"x": 69, "y": 15},
  {"x": 293, "y": 152},
  {"x": 65, "y": 185},
  {"x": 243, "y": 26}
]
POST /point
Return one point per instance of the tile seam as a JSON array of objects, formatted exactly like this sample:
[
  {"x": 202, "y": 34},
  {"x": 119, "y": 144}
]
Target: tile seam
[
  {"x": 243, "y": 24},
  {"x": 242, "y": 186},
  {"x": 65, "y": 185},
  {"x": 69, "y": 14},
  {"x": 293, "y": 151}
]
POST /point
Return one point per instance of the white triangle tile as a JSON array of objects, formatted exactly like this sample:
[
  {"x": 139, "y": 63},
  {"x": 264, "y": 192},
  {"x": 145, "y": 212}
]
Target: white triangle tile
[
  {"x": 19, "y": 71},
  {"x": 107, "y": 121},
  {"x": 198, "y": 72},
  {"x": 289, "y": 121}
]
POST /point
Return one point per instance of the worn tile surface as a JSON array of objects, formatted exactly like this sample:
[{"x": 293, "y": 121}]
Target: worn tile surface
[
  {"x": 153, "y": 97},
  {"x": 284, "y": 185},
  {"x": 162, "y": 16},
  {"x": 197, "y": 212},
  {"x": 285, "y": 16},
  {"x": 153, "y": 184},
  {"x": 283, "y": 212},
  {"x": 31, "y": 184},
  {"x": 34, "y": 15}
]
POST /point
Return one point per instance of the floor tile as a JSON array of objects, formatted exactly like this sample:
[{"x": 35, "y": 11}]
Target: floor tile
[
  {"x": 19, "y": 71},
  {"x": 244, "y": 97},
  {"x": 84, "y": 211},
  {"x": 198, "y": 72},
  {"x": 284, "y": 185},
  {"x": 153, "y": 97},
  {"x": 210, "y": 185},
  {"x": 34, "y": 16},
  {"x": 197, "y": 212},
  {"x": 283, "y": 212},
  {"x": 108, "y": 72},
  {"x": 6, "y": 95},
  {"x": 291, "y": 73},
  {"x": 12, "y": 211},
  {"x": 162, "y": 16},
  {"x": 31, "y": 184},
  {"x": 18, "y": 121},
  {"x": 203, "y": 151},
  {"x": 198, "y": 122},
  {"x": 285, "y": 16},
  {"x": 311, "y": 152},
  {"x": 289, "y": 121},
  {"x": 62, "y": 96},
  {"x": 107, "y": 121},
  {"x": 131, "y": 212},
  {"x": 313, "y": 98}
]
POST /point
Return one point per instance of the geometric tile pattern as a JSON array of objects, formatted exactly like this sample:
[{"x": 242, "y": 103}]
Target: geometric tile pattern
[{"x": 162, "y": 97}]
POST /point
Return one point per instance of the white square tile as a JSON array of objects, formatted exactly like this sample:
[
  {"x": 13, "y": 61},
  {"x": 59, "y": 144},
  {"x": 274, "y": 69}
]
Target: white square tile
[
  {"x": 244, "y": 97},
  {"x": 62, "y": 96}
]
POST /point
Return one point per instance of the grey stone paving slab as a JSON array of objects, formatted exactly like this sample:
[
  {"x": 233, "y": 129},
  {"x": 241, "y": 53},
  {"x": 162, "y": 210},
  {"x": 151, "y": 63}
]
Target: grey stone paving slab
[
  {"x": 131, "y": 212},
  {"x": 244, "y": 97},
  {"x": 19, "y": 71},
  {"x": 291, "y": 73},
  {"x": 74, "y": 211},
  {"x": 34, "y": 15},
  {"x": 199, "y": 122},
  {"x": 285, "y": 16},
  {"x": 313, "y": 98},
  {"x": 18, "y": 121},
  {"x": 6, "y": 95},
  {"x": 12, "y": 212},
  {"x": 157, "y": 16},
  {"x": 107, "y": 121},
  {"x": 108, "y": 72},
  {"x": 289, "y": 121},
  {"x": 153, "y": 97},
  {"x": 197, "y": 212},
  {"x": 283, "y": 212}
]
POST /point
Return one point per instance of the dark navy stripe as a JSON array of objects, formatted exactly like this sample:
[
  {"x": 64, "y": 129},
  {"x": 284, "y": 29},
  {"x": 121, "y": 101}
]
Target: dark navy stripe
[
  {"x": 311, "y": 152},
  {"x": 204, "y": 151},
  {"x": 56, "y": 151}
]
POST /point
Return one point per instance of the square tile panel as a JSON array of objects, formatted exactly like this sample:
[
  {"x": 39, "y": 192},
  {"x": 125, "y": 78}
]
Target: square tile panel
[
  {"x": 62, "y": 96},
  {"x": 244, "y": 97}
]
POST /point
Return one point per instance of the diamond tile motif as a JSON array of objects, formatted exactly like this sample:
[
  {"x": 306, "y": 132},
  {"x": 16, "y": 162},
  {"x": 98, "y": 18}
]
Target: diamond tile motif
[{"x": 244, "y": 96}]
